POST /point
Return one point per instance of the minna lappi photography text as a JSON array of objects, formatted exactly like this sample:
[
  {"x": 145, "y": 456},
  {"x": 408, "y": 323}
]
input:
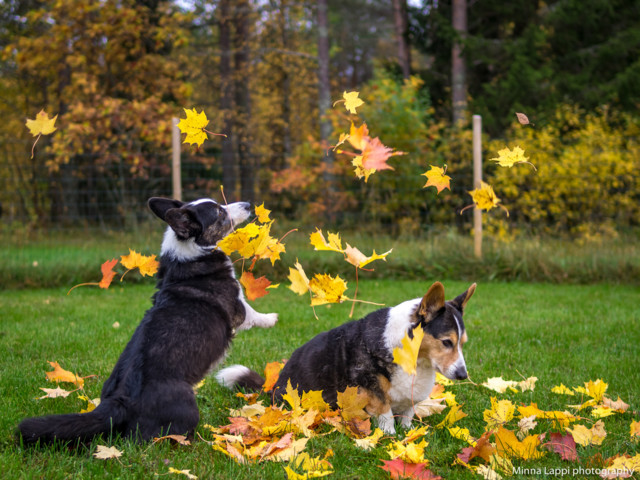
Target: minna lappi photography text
[{"x": 574, "y": 472}]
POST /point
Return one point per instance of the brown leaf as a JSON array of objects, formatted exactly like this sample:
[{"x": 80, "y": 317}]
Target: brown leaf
[
  {"x": 482, "y": 449},
  {"x": 179, "y": 439},
  {"x": 522, "y": 118}
]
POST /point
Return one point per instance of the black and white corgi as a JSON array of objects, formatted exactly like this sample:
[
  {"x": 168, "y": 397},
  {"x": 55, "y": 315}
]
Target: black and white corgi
[
  {"x": 196, "y": 309},
  {"x": 360, "y": 354}
]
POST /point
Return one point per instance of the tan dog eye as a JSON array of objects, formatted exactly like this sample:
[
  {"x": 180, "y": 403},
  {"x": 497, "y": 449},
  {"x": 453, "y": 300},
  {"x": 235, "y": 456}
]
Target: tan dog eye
[{"x": 447, "y": 343}]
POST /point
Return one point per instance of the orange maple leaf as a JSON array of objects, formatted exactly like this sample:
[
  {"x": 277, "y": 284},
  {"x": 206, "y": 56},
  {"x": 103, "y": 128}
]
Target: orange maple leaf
[
  {"x": 254, "y": 287},
  {"x": 107, "y": 276},
  {"x": 271, "y": 374},
  {"x": 147, "y": 265},
  {"x": 375, "y": 155},
  {"x": 59, "y": 374}
]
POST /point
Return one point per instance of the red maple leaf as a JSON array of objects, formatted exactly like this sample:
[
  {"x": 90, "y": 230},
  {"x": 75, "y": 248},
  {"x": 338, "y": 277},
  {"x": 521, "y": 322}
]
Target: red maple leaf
[
  {"x": 375, "y": 155},
  {"x": 398, "y": 469},
  {"x": 564, "y": 445}
]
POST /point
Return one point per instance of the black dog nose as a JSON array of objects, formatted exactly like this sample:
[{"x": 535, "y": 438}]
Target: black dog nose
[{"x": 460, "y": 373}]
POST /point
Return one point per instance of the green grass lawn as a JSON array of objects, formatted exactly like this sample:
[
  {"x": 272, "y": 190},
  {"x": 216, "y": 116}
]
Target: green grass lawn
[{"x": 559, "y": 333}]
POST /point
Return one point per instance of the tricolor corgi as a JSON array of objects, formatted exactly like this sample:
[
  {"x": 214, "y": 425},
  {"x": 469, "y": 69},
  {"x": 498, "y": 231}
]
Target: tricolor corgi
[
  {"x": 360, "y": 354},
  {"x": 196, "y": 310}
]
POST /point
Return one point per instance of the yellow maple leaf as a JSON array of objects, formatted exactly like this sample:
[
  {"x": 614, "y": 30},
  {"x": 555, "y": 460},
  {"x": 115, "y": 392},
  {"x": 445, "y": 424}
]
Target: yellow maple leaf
[
  {"x": 623, "y": 466},
  {"x": 42, "y": 125},
  {"x": 146, "y": 264},
  {"x": 562, "y": 390},
  {"x": 508, "y": 158},
  {"x": 453, "y": 415},
  {"x": 313, "y": 467},
  {"x": 263, "y": 214},
  {"x": 91, "y": 404},
  {"x": 485, "y": 198},
  {"x": 499, "y": 414},
  {"x": 634, "y": 430},
  {"x": 436, "y": 178},
  {"x": 602, "y": 411},
  {"x": 561, "y": 419},
  {"x": 507, "y": 445},
  {"x": 357, "y": 258},
  {"x": 588, "y": 436},
  {"x": 360, "y": 171},
  {"x": 498, "y": 384},
  {"x": 319, "y": 243},
  {"x": 327, "y": 289},
  {"x": 351, "y": 101},
  {"x": 358, "y": 136},
  {"x": 298, "y": 279},
  {"x": 193, "y": 126},
  {"x": 352, "y": 403},
  {"x": 292, "y": 397},
  {"x": 407, "y": 355},
  {"x": 238, "y": 240},
  {"x": 367, "y": 443},
  {"x": 462, "y": 434},
  {"x": 595, "y": 390},
  {"x": 410, "y": 453},
  {"x": 312, "y": 400},
  {"x": 186, "y": 473},
  {"x": 59, "y": 374}
]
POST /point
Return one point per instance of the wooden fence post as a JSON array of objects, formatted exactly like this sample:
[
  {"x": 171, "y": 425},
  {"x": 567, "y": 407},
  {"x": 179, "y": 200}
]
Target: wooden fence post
[
  {"x": 477, "y": 179},
  {"x": 176, "y": 174}
]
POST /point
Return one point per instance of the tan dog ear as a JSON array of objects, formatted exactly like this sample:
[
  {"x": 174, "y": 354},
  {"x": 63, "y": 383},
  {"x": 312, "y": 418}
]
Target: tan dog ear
[
  {"x": 432, "y": 301},
  {"x": 462, "y": 299}
]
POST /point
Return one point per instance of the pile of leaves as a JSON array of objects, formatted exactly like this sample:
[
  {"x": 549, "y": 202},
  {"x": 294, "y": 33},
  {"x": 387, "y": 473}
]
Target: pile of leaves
[{"x": 512, "y": 438}]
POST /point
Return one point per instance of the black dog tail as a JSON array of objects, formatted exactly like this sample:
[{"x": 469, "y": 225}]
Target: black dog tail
[
  {"x": 239, "y": 376},
  {"x": 74, "y": 426}
]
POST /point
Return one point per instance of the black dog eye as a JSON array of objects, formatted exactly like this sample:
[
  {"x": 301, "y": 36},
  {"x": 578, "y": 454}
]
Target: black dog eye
[{"x": 447, "y": 343}]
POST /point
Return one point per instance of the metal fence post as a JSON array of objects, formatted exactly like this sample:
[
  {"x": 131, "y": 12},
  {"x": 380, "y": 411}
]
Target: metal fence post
[
  {"x": 176, "y": 174},
  {"x": 477, "y": 179}
]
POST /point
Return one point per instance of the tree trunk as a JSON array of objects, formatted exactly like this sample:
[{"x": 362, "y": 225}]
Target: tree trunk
[
  {"x": 229, "y": 175},
  {"x": 400, "y": 26},
  {"x": 458, "y": 68},
  {"x": 324, "y": 99},
  {"x": 242, "y": 74}
]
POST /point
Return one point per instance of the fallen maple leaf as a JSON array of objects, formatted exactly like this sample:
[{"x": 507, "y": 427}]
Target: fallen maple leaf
[
  {"x": 407, "y": 355},
  {"x": 623, "y": 466},
  {"x": 561, "y": 419},
  {"x": 367, "y": 443},
  {"x": 618, "y": 406},
  {"x": 563, "y": 445},
  {"x": 588, "y": 436},
  {"x": 525, "y": 425},
  {"x": 462, "y": 434},
  {"x": 91, "y": 403},
  {"x": 453, "y": 415},
  {"x": 562, "y": 390},
  {"x": 501, "y": 412},
  {"x": 313, "y": 467},
  {"x": 186, "y": 473},
  {"x": 399, "y": 469},
  {"x": 254, "y": 287},
  {"x": 179, "y": 439},
  {"x": 482, "y": 449},
  {"x": 352, "y": 403},
  {"x": 59, "y": 374},
  {"x": 429, "y": 406},
  {"x": 103, "y": 452},
  {"x": 408, "y": 452},
  {"x": 507, "y": 445},
  {"x": 634, "y": 430},
  {"x": 498, "y": 384},
  {"x": 436, "y": 178}
]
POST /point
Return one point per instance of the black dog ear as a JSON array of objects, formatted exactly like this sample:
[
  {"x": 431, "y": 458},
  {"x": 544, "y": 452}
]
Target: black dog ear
[
  {"x": 159, "y": 206},
  {"x": 461, "y": 300},
  {"x": 431, "y": 302},
  {"x": 183, "y": 222}
]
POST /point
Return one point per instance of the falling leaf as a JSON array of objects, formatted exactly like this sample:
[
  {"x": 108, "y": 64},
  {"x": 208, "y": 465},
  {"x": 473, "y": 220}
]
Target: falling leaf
[
  {"x": 298, "y": 279},
  {"x": 351, "y": 101},
  {"x": 59, "y": 374},
  {"x": 375, "y": 155},
  {"x": 42, "y": 125},
  {"x": 254, "y": 287},
  {"x": 508, "y": 158},
  {"x": 193, "y": 126},
  {"x": 563, "y": 445},
  {"x": 146, "y": 264},
  {"x": 319, "y": 243},
  {"x": 436, "y": 178},
  {"x": 588, "y": 436},
  {"x": 107, "y": 272},
  {"x": 484, "y": 198},
  {"x": 407, "y": 355},
  {"x": 508, "y": 445},
  {"x": 498, "y": 384},
  {"x": 327, "y": 289},
  {"x": 55, "y": 393},
  {"x": 262, "y": 213},
  {"x": 271, "y": 373},
  {"x": 103, "y": 452},
  {"x": 562, "y": 390},
  {"x": 358, "y": 137},
  {"x": 360, "y": 171},
  {"x": 359, "y": 259},
  {"x": 399, "y": 469},
  {"x": 522, "y": 118},
  {"x": 501, "y": 412}
]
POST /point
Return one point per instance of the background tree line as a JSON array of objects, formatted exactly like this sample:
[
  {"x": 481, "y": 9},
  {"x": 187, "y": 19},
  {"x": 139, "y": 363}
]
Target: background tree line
[{"x": 266, "y": 73}]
